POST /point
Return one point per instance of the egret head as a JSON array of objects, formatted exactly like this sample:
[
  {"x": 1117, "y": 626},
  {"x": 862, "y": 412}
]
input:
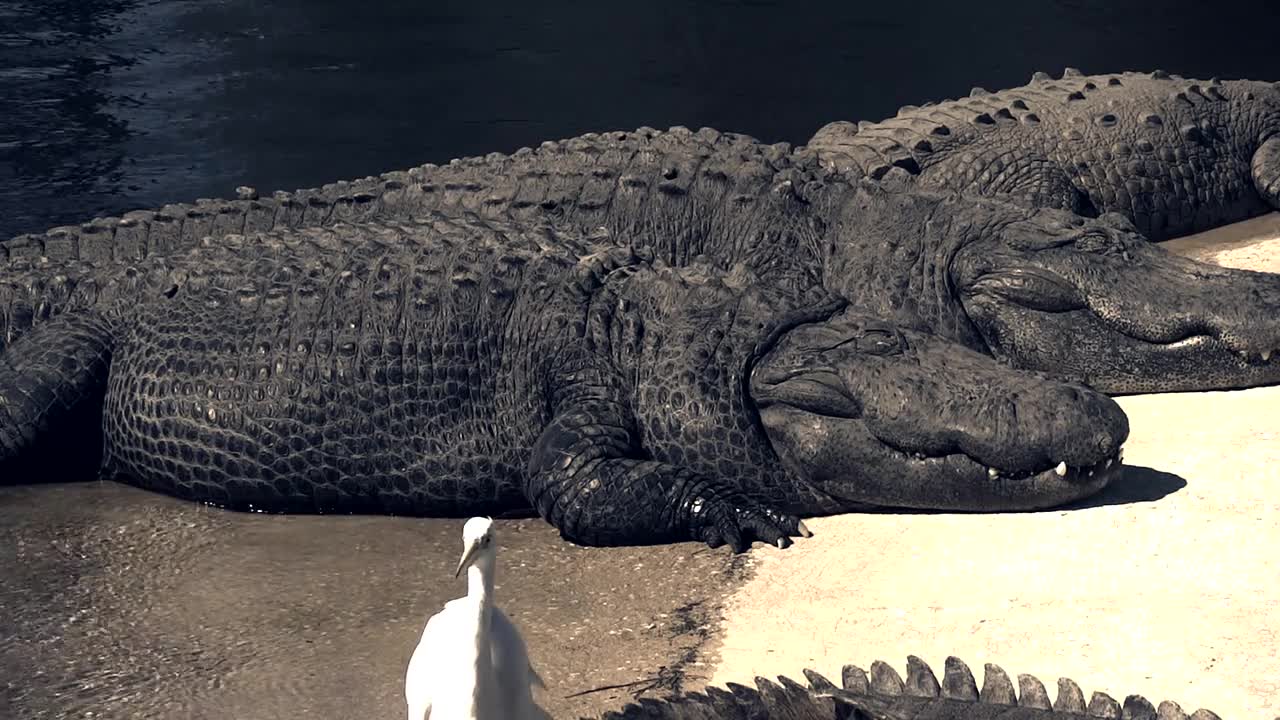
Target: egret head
[{"x": 477, "y": 542}]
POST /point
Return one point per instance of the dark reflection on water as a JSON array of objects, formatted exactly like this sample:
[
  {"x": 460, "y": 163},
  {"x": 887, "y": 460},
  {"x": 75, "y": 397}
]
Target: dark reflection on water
[
  {"x": 119, "y": 104},
  {"x": 60, "y": 135}
]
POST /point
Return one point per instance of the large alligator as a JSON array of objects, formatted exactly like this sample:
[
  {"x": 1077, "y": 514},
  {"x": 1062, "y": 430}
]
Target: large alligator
[
  {"x": 1040, "y": 288},
  {"x": 883, "y": 694},
  {"x": 450, "y": 366},
  {"x": 1174, "y": 155}
]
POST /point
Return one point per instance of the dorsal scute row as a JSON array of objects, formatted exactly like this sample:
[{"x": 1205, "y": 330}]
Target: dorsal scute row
[{"x": 883, "y": 689}]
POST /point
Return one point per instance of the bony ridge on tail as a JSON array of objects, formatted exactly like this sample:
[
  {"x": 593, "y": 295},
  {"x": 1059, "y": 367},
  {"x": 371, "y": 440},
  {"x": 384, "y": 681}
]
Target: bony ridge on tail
[
  {"x": 471, "y": 662},
  {"x": 883, "y": 694}
]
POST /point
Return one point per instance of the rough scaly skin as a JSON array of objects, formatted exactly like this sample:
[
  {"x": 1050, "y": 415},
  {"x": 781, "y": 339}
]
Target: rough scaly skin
[
  {"x": 454, "y": 366},
  {"x": 1086, "y": 299},
  {"x": 1174, "y": 155},
  {"x": 890, "y": 246},
  {"x": 683, "y": 195},
  {"x": 618, "y": 181},
  {"x": 884, "y": 695},
  {"x": 440, "y": 368}
]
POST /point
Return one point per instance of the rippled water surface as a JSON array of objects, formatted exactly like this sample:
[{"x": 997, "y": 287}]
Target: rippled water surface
[{"x": 118, "y": 603}]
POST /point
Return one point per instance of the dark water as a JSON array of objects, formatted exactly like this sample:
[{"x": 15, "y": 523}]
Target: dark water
[{"x": 112, "y": 105}]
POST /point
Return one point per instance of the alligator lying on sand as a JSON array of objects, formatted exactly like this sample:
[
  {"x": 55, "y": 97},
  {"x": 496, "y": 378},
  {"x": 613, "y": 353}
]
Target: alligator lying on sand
[
  {"x": 884, "y": 695},
  {"x": 456, "y": 366},
  {"x": 1041, "y": 289},
  {"x": 1174, "y": 155}
]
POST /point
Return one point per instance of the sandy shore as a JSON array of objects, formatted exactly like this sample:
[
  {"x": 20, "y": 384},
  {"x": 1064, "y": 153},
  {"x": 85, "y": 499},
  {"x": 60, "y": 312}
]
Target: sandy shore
[{"x": 1169, "y": 589}]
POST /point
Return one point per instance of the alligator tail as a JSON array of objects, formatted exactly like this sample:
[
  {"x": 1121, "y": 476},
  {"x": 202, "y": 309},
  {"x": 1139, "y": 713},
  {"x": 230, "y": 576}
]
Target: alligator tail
[{"x": 883, "y": 694}]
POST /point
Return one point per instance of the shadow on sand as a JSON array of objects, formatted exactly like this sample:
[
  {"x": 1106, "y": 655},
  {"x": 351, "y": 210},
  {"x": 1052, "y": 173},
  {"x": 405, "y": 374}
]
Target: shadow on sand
[{"x": 1139, "y": 484}]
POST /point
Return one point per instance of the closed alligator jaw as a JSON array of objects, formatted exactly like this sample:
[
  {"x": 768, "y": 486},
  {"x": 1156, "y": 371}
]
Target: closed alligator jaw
[
  {"x": 1255, "y": 358},
  {"x": 1063, "y": 470}
]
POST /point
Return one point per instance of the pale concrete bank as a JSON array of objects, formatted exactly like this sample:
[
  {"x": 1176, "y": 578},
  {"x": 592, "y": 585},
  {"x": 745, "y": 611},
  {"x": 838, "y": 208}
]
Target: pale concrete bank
[{"x": 1169, "y": 587}]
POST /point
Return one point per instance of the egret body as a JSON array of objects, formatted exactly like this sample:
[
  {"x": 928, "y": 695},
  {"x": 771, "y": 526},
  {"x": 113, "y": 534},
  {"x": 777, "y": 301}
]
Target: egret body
[{"x": 471, "y": 662}]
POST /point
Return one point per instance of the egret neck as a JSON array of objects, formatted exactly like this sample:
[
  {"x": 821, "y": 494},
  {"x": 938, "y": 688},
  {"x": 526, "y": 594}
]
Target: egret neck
[{"x": 480, "y": 578}]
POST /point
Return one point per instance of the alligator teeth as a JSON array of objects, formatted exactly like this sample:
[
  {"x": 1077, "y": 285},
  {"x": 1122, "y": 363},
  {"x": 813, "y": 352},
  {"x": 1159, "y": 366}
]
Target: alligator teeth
[
  {"x": 1061, "y": 469},
  {"x": 1120, "y": 454},
  {"x": 1107, "y": 464},
  {"x": 993, "y": 473},
  {"x": 1089, "y": 474},
  {"x": 1251, "y": 357}
]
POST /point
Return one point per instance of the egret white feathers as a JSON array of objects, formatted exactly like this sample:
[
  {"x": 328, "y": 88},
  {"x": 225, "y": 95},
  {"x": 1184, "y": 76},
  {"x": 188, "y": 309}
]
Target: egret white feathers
[{"x": 471, "y": 662}]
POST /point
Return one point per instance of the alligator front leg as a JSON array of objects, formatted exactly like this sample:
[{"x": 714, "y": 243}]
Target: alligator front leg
[
  {"x": 588, "y": 478},
  {"x": 52, "y": 383},
  {"x": 1266, "y": 171}
]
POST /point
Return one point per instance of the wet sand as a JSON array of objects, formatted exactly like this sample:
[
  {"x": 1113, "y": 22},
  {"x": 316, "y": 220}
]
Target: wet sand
[
  {"x": 1167, "y": 586},
  {"x": 120, "y": 603}
]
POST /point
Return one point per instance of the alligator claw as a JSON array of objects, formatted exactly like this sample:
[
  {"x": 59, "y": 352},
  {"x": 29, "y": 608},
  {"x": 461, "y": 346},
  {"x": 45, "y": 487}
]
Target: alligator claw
[{"x": 737, "y": 521}]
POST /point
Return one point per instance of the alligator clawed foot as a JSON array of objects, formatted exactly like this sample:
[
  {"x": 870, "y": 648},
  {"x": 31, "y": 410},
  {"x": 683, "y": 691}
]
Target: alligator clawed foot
[{"x": 738, "y": 521}]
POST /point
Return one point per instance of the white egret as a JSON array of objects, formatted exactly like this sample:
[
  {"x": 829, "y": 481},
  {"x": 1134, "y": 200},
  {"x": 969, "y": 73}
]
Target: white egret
[{"x": 471, "y": 662}]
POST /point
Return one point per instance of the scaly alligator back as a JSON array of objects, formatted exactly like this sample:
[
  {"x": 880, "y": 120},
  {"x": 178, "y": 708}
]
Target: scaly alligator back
[
  {"x": 1176, "y": 155},
  {"x": 440, "y": 366},
  {"x": 682, "y": 193}
]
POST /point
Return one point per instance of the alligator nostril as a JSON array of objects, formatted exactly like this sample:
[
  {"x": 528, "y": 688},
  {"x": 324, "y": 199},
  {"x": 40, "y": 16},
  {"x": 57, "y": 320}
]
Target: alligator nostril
[{"x": 1106, "y": 443}]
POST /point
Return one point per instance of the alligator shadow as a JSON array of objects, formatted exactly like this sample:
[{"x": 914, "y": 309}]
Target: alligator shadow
[{"x": 1139, "y": 484}]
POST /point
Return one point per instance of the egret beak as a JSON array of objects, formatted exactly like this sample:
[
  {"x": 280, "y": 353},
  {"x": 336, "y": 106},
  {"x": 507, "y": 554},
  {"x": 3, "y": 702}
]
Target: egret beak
[{"x": 467, "y": 557}]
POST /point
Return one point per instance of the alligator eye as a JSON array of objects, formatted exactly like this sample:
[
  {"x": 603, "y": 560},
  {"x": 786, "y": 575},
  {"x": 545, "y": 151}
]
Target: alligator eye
[
  {"x": 1032, "y": 289},
  {"x": 1095, "y": 242},
  {"x": 878, "y": 342}
]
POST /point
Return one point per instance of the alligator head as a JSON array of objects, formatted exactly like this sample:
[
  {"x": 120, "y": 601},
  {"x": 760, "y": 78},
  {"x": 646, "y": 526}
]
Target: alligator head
[
  {"x": 870, "y": 413},
  {"x": 1088, "y": 299}
]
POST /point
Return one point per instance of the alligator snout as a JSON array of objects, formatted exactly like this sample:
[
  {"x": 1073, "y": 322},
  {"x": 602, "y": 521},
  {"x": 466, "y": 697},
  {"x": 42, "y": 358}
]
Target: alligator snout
[
  {"x": 1181, "y": 299},
  {"x": 1138, "y": 318},
  {"x": 926, "y": 423},
  {"x": 1190, "y": 326},
  {"x": 1014, "y": 424}
]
